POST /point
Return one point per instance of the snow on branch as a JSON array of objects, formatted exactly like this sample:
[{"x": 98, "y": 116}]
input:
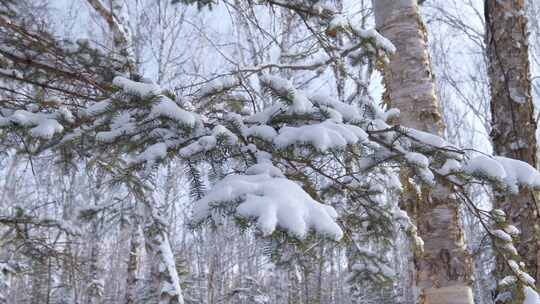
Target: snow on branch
[
  {"x": 517, "y": 284},
  {"x": 165, "y": 107},
  {"x": 510, "y": 174},
  {"x": 136, "y": 88},
  {"x": 322, "y": 136},
  {"x": 147, "y": 120},
  {"x": 284, "y": 90},
  {"x": 42, "y": 125},
  {"x": 42, "y": 222},
  {"x": 208, "y": 142},
  {"x": 264, "y": 195},
  {"x": 218, "y": 86}
]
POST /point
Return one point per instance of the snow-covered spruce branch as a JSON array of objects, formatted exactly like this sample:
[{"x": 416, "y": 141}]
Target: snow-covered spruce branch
[
  {"x": 155, "y": 123},
  {"x": 39, "y": 58},
  {"x": 319, "y": 128},
  {"x": 517, "y": 286},
  {"x": 336, "y": 159},
  {"x": 39, "y": 223}
]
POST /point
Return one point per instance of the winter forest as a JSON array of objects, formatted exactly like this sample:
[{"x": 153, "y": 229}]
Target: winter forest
[{"x": 269, "y": 151}]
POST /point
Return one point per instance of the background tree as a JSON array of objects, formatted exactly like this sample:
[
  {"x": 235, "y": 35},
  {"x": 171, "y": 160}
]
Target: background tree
[{"x": 512, "y": 116}]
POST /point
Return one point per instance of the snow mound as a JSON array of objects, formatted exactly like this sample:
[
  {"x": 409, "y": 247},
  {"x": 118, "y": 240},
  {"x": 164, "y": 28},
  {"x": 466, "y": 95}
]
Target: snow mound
[
  {"x": 209, "y": 142},
  {"x": 153, "y": 154},
  {"x": 486, "y": 167},
  {"x": 43, "y": 125},
  {"x": 273, "y": 201},
  {"x": 512, "y": 173},
  {"x": 519, "y": 173},
  {"x": 165, "y": 107},
  {"x": 427, "y": 139},
  {"x": 97, "y": 108},
  {"x": 323, "y": 136},
  {"x": 349, "y": 113},
  {"x": 264, "y": 132},
  {"x": 135, "y": 88},
  {"x": 531, "y": 297},
  {"x": 379, "y": 40},
  {"x": 300, "y": 104}
]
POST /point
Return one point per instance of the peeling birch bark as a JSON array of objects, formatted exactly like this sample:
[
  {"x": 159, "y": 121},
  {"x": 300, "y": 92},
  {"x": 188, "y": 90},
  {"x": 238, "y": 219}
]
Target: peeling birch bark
[
  {"x": 512, "y": 118},
  {"x": 444, "y": 268}
]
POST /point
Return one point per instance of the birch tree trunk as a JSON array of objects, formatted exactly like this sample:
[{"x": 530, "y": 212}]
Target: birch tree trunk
[
  {"x": 165, "y": 281},
  {"x": 39, "y": 281},
  {"x": 94, "y": 291},
  {"x": 67, "y": 289},
  {"x": 293, "y": 285},
  {"x": 133, "y": 263},
  {"x": 95, "y": 287},
  {"x": 443, "y": 269},
  {"x": 513, "y": 124}
]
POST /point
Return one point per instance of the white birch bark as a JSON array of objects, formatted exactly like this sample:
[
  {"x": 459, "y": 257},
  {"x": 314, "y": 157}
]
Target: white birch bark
[
  {"x": 94, "y": 288},
  {"x": 165, "y": 278},
  {"x": 443, "y": 269},
  {"x": 94, "y": 291},
  {"x": 133, "y": 264}
]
